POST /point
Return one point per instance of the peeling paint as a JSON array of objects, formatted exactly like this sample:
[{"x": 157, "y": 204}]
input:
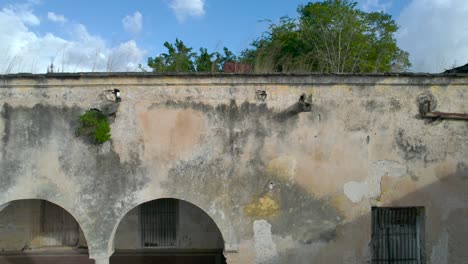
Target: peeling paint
[
  {"x": 206, "y": 140},
  {"x": 356, "y": 191},
  {"x": 265, "y": 248}
]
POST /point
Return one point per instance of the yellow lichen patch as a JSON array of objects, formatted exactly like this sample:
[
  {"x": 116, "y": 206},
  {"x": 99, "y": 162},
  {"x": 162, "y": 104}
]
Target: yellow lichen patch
[
  {"x": 283, "y": 87},
  {"x": 283, "y": 167},
  {"x": 263, "y": 207},
  {"x": 436, "y": 89}
]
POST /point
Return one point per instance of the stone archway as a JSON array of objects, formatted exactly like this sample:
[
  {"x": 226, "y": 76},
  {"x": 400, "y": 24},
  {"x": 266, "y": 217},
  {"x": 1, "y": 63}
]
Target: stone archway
[
  {"x": 39, "y": 231},
  {"x": 168, "y": 231}
]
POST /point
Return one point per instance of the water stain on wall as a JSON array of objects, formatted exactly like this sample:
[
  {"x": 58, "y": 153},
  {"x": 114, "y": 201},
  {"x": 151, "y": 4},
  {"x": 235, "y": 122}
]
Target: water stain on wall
[{"x": 170, "y": 134}]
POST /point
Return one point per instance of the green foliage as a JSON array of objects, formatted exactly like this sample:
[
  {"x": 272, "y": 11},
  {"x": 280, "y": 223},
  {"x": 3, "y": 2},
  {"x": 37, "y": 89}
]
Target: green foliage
[
  {"x": 180, "y": 58},
  {"x": 94, "y": 124},
  {"x": 204, "y": 62},
  {"x": 329, "y": 36},
  {"x": 281, "y": 49},
  {"x": 228, "y": 56},
  {"x": 177, "y": 59},
  {"x": 221, "y": 59}
]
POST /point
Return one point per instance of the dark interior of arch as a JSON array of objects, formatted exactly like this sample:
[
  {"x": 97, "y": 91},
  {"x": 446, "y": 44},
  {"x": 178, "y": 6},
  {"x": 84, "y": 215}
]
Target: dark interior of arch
[
  {"x": 37, "y": 231},
  {"x": 168, "y": 231}
]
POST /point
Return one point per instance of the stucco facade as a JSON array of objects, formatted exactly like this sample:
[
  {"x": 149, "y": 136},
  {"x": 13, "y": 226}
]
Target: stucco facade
[{"x": 289, "y": 177}]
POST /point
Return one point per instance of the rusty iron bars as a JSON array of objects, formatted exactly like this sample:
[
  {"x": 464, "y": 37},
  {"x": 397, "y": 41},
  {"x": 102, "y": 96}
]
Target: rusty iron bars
[
  {"x": 426, "y": 112},
  {"x": 158, "y": 223},
  {"x": 445, "y": 115},
  {"x": 396, "y": 235}
]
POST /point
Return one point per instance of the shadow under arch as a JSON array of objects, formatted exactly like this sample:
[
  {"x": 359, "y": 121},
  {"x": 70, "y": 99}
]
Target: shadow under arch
[
  {"x": 40, "y": 231},
  {"x": 182, "y": 226}
]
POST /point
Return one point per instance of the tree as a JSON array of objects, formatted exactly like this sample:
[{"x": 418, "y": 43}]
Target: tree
[
  {"x": 329, "y": 36},
  {"x": 213, "y": 62},
  {"x": 221, "y": 59},
  {"x": 228, "y": 56},
  {"x": 178, "y": 58},
  {"x": 204, "y": 62},
  {"x": 279, "y": 49},
  {"x": 461, "y": 69}
]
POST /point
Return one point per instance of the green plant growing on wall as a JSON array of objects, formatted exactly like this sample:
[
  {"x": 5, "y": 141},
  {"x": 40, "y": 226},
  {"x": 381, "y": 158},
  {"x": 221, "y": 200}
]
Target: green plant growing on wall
[{"x": 95, "y": 125}]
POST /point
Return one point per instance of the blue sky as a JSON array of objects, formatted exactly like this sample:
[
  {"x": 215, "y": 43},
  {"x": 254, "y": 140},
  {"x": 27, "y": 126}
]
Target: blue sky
[{"x": 117, "y": 35}]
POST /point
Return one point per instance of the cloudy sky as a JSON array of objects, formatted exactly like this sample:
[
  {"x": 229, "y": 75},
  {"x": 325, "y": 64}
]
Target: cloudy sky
[{"x": 118, "y": 35}]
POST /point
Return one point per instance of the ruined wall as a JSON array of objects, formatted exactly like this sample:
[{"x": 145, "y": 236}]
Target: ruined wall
[{"x": 283, "y": 184}]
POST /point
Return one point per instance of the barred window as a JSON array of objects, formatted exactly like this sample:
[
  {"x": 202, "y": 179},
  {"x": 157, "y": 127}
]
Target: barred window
[
  {"x": 397, "y": 235},
  {"x": 58, "y": 228},
  {"x": 158, "y": 222}
]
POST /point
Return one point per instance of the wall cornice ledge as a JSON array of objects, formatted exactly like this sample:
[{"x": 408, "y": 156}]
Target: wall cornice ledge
[{"x": 225, "y": 79}]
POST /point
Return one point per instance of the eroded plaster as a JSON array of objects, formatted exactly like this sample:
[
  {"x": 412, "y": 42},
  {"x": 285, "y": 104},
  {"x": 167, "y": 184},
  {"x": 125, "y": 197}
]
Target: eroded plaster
[
  {"x": 356, "y": 191},
  {"x": 265, "y": 248},
  {"x": 271, "y": 176}
]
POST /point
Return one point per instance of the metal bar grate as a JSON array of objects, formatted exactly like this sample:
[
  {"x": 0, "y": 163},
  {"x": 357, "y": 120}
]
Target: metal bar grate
[
  {"x": 58, "y": 227},
  {"x": 396, "y": 235},
  {"x": 158, "y": 222}
]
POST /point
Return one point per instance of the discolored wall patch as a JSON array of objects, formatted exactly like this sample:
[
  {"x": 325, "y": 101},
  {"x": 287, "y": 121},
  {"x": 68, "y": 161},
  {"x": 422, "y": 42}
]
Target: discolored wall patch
[
  {"x": 283, "y": 167},
  {"x": 265, "y": 248},
  {"x": 263, "y": 207},
  {"x": 411, "y": 147},
  {"x": 462, "y": 170},
  {"x": 371, "y": 188},
  {"x": 170, "y": 134},
  {"x": 265, "y": 172}
]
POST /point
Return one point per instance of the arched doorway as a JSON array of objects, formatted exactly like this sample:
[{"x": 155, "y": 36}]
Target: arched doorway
[
  {"x": 169, "y": 231},
  {"x": 38, "y": 231}
]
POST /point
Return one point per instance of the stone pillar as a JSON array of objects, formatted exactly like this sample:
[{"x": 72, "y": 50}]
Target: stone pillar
[
  {"x": 239, "y": 254},
  {"x": 232, "y": 258},
  {"x": 101, "y": 260}
]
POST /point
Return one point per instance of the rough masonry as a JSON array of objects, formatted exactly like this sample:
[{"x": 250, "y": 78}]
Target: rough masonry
[{"x": 287, "y": 166}]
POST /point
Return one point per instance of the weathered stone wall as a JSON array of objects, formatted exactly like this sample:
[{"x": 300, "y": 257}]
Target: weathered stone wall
[{"x": 283, "y": 185}]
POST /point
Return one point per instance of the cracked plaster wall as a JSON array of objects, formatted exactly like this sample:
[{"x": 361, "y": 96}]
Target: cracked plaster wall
[{"x": 299, "y": 183}]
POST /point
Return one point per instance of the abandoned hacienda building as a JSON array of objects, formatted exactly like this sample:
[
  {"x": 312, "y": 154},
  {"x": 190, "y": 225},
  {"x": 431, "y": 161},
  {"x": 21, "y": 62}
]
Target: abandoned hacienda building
[{"x": 235, "y": 168}]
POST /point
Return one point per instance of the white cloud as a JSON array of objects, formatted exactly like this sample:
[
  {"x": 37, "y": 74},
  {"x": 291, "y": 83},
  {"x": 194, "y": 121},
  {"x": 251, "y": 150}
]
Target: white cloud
[
  {"x": 22, "y": 50},
  {"x": 133, "y": 24},
  {"x": 23, "y": 14},
  {"x": 124, "y": 56},
  {"x": 435, "y": 33},
  {"x": 187, "y": 8},
  {"x": 56, "y": 17}
]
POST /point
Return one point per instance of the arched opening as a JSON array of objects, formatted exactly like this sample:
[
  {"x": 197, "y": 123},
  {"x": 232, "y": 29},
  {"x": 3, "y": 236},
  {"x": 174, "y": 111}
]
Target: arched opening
[
  {"x": 38, "y": 231},
  {"x": 169, "y": 231}
]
